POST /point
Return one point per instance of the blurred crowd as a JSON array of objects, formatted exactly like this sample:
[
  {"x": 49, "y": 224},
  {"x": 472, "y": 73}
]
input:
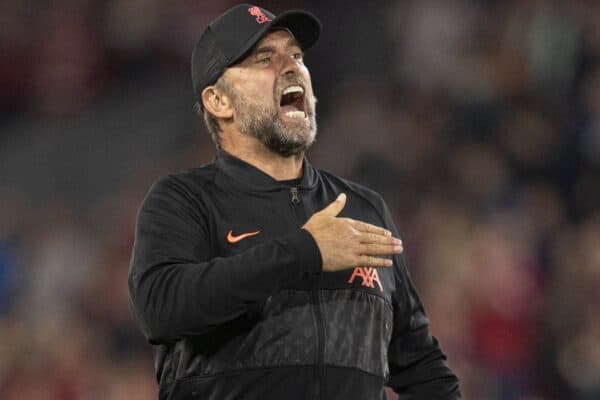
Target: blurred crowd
[{"x": 478, "y": 121}]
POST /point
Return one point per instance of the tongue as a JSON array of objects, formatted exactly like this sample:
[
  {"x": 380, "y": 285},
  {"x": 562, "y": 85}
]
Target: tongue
[
  {"x": 292, "y": 104},
  {"x": 289, "y": 107}
]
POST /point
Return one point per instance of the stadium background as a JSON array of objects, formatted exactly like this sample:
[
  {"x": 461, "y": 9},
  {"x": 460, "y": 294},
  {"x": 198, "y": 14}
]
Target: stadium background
[{"x": 479, "y": 122}]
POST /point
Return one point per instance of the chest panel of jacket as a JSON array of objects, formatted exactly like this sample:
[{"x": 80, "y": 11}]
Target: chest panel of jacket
[{"x": 355, "y": 315}]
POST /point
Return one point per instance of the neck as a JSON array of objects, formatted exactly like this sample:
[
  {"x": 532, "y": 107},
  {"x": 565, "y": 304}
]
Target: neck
[{"x": 252, "y": 151}]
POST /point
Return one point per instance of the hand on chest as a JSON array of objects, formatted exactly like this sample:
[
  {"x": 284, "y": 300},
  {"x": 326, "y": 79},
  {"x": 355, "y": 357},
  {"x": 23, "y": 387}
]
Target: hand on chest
[{"x": 242, "y": 225}]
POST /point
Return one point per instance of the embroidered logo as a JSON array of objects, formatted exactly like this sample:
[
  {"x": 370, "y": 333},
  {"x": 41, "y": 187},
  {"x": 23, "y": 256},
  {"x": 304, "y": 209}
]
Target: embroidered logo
[
  {"x": 369, "y": 277},
  {"x": 261, "y": 18},
  {"x": 231, "y": 238}
]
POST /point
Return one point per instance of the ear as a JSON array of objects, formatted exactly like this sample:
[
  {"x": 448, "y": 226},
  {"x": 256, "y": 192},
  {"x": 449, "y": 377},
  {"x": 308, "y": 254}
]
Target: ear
[{"x": 217, "y": 103}]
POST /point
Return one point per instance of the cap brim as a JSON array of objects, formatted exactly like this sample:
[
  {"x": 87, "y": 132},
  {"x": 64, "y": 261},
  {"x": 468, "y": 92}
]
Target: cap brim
[{"x": 305, "y": 27}]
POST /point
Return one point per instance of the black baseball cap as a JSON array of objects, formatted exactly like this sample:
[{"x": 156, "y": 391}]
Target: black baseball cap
[{"x": 229, "y": 37}]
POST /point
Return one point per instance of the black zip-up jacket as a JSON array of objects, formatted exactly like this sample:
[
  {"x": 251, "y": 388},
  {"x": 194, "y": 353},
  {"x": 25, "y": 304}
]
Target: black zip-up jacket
[{"x": 230, "y": 291}]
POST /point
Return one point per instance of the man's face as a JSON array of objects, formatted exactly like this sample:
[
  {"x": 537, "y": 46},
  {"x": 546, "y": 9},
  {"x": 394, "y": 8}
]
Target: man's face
[{"x": 272, "y": 95}]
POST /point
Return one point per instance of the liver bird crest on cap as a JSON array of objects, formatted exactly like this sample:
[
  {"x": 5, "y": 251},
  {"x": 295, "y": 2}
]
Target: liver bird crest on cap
[{"x": 261, "y": 18}]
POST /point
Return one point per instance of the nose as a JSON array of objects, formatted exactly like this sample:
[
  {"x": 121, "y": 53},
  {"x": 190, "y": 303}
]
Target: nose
[{"x": 289, "y": 65}]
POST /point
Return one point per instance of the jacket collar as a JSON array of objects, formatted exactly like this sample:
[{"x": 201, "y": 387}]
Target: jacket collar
[{"x": 251, "y": 177}]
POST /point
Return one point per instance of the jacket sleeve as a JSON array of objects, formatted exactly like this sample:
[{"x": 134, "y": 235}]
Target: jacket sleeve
[
  {"x": 177, "y": 290},
  {"x": 417, "y": 365}
]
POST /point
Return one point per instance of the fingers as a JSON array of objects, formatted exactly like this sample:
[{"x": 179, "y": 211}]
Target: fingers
[
  {"x": 380, "y": 249},
  {"x": 334, "y": 208},
  {"x": 368, "y": 233},
  {"x": 379, "y": 239},
  {"x": 371, "y": 261},
  {"x": 371, "y": 255},
  {"x": 368, "y": 228}
]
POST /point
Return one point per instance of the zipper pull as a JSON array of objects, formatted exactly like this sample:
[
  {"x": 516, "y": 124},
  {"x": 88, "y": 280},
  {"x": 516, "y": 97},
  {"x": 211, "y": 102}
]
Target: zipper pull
[{"x": 295, "y": 197}]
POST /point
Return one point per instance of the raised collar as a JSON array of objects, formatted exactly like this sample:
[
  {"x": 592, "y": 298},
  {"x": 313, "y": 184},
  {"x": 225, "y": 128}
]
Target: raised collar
[{"x": 253, "y": 178}]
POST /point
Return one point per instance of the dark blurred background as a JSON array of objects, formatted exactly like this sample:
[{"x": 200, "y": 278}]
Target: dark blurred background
[{"x": 478, "y": 121}]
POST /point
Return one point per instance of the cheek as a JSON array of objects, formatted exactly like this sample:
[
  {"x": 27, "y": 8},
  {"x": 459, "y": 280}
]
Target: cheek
[
  {"x": 306, "y": 76},
  {"x": 263, "y": 85},
  {"x": 258, "y": 86},
  {"x": 261, "y": 94}
]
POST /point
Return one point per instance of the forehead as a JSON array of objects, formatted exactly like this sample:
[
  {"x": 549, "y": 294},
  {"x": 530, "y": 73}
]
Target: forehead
[{"x": 277, "y": 37}]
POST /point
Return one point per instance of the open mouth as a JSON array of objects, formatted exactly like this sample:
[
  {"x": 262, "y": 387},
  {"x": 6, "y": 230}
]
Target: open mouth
[{"x": 292, "y": 102}]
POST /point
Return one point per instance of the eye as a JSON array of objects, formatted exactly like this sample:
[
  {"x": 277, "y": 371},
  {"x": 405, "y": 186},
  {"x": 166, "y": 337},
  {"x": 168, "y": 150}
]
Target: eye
[
  {"x": 264, "y": 60},
  {"x": 297, "y": 56}
]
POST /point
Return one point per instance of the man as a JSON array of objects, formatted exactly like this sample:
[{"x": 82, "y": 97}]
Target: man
[{"x": 259, "y": 276}]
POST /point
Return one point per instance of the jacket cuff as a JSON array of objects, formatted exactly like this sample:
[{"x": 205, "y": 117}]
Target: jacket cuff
[{"x": 306, "y": 252}]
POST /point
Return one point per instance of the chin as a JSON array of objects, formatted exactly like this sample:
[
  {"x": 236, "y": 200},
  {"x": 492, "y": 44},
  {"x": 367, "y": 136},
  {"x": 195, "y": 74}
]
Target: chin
[
  {"x": 297, "y": 137},
  {"x": 291, "y": 144}
]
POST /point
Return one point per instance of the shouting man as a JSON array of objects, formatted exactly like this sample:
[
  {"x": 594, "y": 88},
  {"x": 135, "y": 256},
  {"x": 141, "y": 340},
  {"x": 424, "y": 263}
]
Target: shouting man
[{"x": 260, "y": 277}]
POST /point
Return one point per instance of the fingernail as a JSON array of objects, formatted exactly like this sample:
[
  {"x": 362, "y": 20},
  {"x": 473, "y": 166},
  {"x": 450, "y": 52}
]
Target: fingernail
[
  {"x": 397, "y": 241},
  {"x": 388, "y": 233},
  {"x": 341, "y": 197},
  {"x": 388, "y": 263}
]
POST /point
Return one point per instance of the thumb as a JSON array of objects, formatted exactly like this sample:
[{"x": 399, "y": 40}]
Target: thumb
[{"x": 335, "y": 207}]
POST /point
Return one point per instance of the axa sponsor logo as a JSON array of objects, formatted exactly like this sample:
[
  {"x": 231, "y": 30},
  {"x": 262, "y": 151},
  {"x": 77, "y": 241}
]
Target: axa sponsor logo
[{"x": 369, "y": 277}]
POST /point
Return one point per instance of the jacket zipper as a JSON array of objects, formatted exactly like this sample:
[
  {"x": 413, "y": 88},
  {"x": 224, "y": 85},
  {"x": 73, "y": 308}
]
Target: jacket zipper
[
  {"x": 318, "y": 313},
  {"x": 320, "y": 368},
  {"x": 295, "y": 197}
]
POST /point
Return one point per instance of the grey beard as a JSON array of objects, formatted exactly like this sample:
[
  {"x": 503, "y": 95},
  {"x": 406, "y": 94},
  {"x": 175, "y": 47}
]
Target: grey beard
[{"x": 280, "y": 139}]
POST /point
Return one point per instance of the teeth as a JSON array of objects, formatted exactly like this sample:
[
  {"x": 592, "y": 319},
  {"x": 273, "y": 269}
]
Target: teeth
[
  {"x": 295, "y": 114},
  {"x": 293, "y": 89}
]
